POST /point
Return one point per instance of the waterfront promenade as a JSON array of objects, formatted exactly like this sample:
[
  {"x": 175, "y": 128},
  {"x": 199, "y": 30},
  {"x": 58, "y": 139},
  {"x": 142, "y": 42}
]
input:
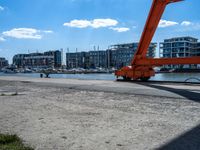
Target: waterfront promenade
[{"x": 102, "y": 115}]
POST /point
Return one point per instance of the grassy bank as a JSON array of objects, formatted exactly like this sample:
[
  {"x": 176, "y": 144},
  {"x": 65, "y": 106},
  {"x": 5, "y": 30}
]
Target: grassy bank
[{"x": 12, "y": 142}]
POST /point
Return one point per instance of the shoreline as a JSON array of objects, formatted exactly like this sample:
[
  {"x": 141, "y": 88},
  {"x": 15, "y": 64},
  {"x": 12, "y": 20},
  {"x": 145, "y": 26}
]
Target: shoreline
[{"x": 190, "y": 80}]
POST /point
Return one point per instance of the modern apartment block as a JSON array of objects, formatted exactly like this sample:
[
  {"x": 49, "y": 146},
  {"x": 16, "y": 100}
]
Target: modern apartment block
[
  {"x": 42, "y": 60},
  {"x": 91, "y": 59},
  {"x": 98, "y": 59},
  {"x": 3, "y": 62},
  {"x": 196, "y": 50},
  {"x": 115, "y": 57},
  {"x": 179, "y": 47},
  {"x": 76, "y": 60},
  {"x": 122, "y": 54}
]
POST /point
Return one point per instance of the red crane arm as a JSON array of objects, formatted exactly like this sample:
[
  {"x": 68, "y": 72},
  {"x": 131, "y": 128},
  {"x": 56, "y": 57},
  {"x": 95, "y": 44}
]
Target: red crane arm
[
  {"x": 167, "y": 61},
  {"x": 141, "y": 66},
  {"x": 152, "y": 22}
]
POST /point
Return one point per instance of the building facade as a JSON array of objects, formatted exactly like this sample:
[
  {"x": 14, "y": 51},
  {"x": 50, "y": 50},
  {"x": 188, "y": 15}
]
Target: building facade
[
  {"x": 98, "y": 59},
  {"x": 3, "y": 62},
  {"x": 76, "y": 60},
  {"x": 116, "y": 56},
  {"x": 41, "y": 60},
  {"x": 91, "y": 59},
  {"x": 122, "y": 54},
  {"x": 179, "y": 47}
]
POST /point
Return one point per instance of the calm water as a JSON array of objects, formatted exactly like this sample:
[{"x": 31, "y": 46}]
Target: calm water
[{"x": 158, "y": 77}]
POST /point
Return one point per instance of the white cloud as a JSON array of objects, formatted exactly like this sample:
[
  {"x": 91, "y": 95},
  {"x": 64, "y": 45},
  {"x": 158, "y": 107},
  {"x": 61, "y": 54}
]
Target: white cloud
[
  {"x": 78, "y": 23},
  {"x": 120, "y": 29},
  {"x": 190, "y": 27},
  {"x": 48, "y": 31},
  {"x": 186, "y": 23},
  {"x": 184, "y": 26},
  {"x": 25, "y": 33},
  {"x": 1, "y": 8},
  {"x": 2, "y": 39},
  {"x": 96, "y": 23},
  {"x": 166, "y": 23}
]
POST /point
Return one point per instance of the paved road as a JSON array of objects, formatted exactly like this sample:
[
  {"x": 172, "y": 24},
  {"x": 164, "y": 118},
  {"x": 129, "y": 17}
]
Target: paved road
[
  {"x": 62, "y": 114},
  {"x": 158, "y": 89}
]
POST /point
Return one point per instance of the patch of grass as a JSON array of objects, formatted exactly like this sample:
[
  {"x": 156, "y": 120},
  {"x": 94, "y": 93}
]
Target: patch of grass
[
  {"x": 2, "y": 94},
  {"x": 12, "y": 94},
  {"x": 12, "y": 142}
]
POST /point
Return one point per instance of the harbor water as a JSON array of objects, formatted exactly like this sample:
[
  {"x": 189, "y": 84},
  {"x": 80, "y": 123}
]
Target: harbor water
[{"x": 178, "y": 77}]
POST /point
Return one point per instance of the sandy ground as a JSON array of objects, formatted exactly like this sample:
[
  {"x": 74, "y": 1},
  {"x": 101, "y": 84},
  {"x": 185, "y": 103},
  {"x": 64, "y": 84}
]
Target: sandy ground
[{"x": 59, "y": 114}]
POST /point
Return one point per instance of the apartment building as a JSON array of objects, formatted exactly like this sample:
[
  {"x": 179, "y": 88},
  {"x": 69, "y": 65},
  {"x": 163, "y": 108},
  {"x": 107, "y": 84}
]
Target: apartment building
[
  {"x": 180, "y": 47},
  {"x": 91, "y": 59},
  {"x": 3, "y": 62},
  {"x": 122, "y": 54},
  {"x": 42, "y": 60},
  {"x": 76, "y": 60},
  {"x": 115, "y": 57},
  {"x": 98, "y": 59}
]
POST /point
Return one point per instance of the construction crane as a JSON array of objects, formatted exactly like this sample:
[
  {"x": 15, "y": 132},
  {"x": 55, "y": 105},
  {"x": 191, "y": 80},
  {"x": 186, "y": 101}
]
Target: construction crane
[{"x": 142, "y": 67}]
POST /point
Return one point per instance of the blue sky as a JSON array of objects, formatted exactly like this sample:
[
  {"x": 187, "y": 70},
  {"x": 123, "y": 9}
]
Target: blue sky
[{"x": 41, "y": 25}]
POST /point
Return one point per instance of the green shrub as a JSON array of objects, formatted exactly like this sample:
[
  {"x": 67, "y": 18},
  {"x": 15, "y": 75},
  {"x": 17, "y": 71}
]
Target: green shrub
[{"x": 12, "y": 142}]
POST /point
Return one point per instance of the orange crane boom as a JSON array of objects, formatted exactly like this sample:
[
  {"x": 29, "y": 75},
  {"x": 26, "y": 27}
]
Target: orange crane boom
[{"x": 141, "y": 66}]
